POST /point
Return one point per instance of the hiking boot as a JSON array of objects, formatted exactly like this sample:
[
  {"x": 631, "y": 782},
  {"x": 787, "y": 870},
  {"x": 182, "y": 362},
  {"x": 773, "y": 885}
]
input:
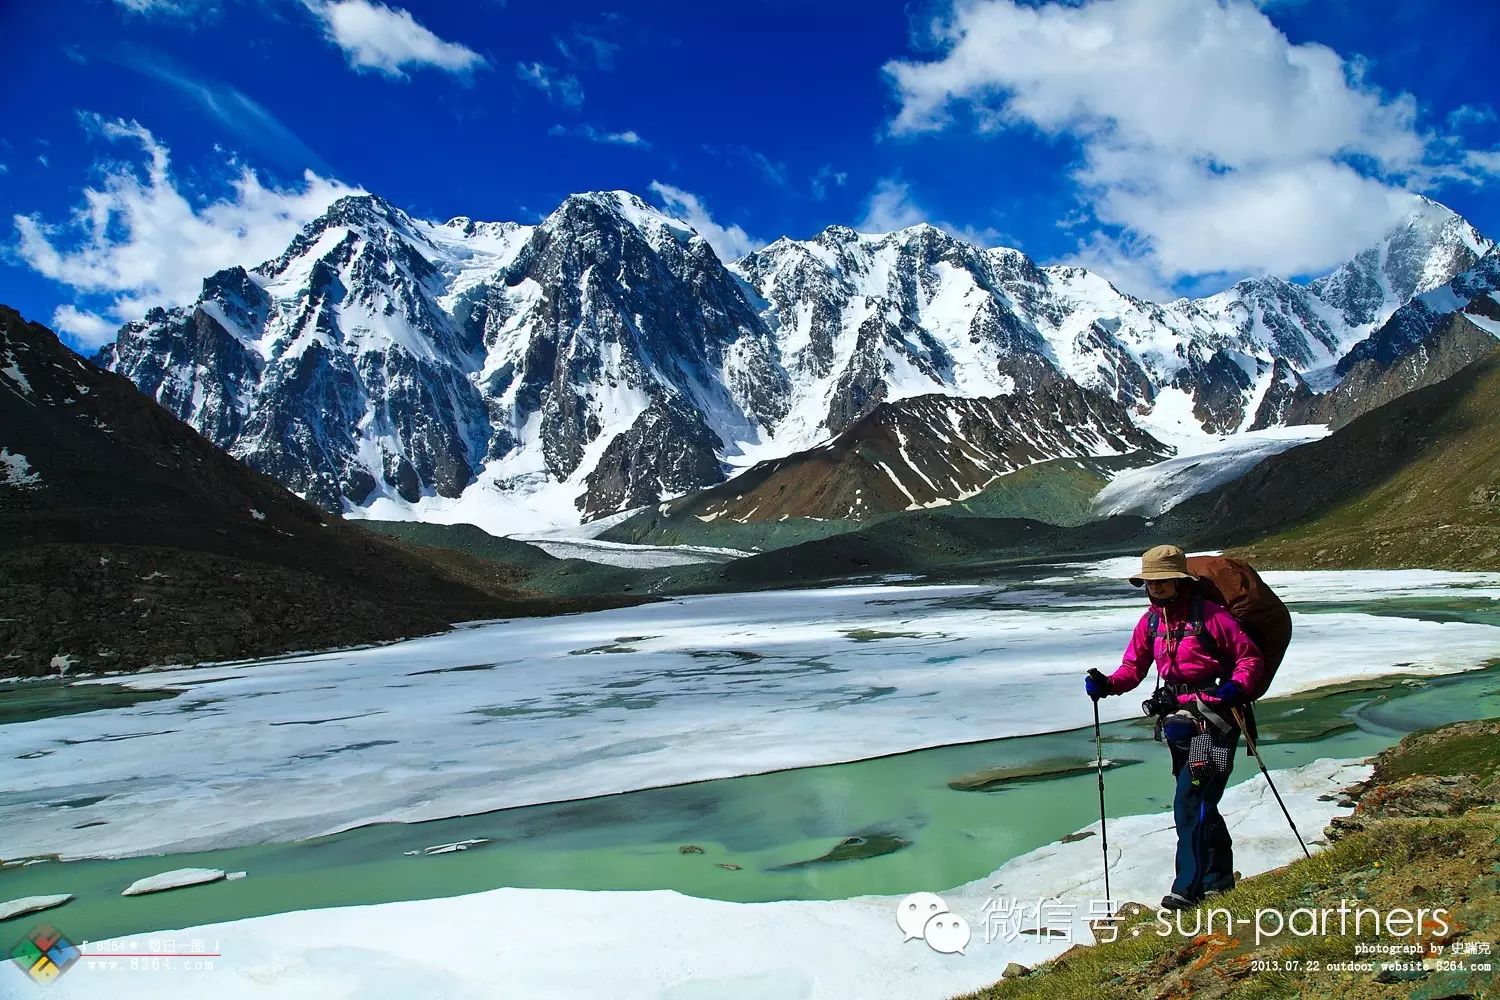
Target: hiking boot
[
  {"x": 1224, "y": 885},
  {"x": 1172, "y": 901}
]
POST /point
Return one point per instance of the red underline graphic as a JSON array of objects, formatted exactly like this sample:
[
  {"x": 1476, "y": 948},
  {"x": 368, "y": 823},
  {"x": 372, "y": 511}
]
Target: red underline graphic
[{"x": 149, "y": 954}]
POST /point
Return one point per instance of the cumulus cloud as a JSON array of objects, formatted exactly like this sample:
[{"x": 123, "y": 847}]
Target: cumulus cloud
[
  {"x": 139, "y": 241},
  {"x": 729, "y": 242},
  {"x": 561, "y": 87},
  {"x": 1208, "y": 142},
  {"x": 627, "y": 138},
  {"x": 89, "y": 329},
  {"x": 388, "y": 40}
]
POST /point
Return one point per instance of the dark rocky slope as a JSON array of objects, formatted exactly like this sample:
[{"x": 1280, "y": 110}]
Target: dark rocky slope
[{"x": 129, "y": 540}]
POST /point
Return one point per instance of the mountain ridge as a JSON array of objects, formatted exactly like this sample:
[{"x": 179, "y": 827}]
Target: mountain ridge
[{"x": 604, "y": 358}]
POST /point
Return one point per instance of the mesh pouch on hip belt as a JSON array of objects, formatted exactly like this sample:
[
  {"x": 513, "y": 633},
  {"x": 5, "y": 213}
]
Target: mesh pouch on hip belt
[{"x": 1210, "y": 754}]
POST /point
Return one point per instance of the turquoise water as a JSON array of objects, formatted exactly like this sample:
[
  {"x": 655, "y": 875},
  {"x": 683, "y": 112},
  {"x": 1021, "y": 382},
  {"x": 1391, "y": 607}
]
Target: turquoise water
[{"x": 25, "y": 702}]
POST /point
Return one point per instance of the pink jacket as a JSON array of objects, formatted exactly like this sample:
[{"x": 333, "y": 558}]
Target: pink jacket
[{"x": 1183, "y": 658}]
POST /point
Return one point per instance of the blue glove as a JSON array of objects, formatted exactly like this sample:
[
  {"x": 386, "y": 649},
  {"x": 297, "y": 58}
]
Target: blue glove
[
  {"x": 1179, "y": 728},
  {"x": 1096, "y": 684},
  {"x": 1229, "y": 693}
]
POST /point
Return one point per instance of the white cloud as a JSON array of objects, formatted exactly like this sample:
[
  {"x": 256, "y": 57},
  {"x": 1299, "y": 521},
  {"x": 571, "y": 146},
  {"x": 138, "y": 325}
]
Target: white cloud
[
  {"x": 89, "y": 329},
  {"x": 774, "y": 170},
  {"x": 243, "y": 116},
  {"x": 1469, "y": 115},
  {"x": 1209, "y": 142},
  {"x": 138, "y": 241},
  {"x": 388, "y": 39},
  {"x": 892, "y": 207},
  {"x": 1127, "y": 266},
  {"x": 561, "y": 87},
  {"x": 730, "y": 243},
  {"x": 627, "y": 138},
  {"x": 1481, "y": 165}
]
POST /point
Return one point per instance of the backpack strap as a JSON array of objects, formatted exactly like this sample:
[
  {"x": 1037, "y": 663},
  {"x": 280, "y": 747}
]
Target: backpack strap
[
  {"x": 1153, "y": 629},
  {"x": 1206, "y": 638}
]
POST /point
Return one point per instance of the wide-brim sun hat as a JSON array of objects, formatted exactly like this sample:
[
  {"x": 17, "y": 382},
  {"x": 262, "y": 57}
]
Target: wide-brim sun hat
[{"x": 1162, "y": 562}]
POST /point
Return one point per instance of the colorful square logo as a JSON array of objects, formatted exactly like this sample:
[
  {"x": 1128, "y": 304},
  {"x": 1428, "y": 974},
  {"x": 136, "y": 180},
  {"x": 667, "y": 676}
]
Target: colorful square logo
[{"x": 44, "y": 954}]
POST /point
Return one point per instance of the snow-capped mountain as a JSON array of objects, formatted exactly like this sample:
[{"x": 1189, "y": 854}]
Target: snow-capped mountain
[
  {"x": 382, "y": 360},
  {"x": 519, "y": 376},
  {"x": 342, "y": 367},
  {"x": 920, "y": 311},
  {"x": 1430, "y": 338}
]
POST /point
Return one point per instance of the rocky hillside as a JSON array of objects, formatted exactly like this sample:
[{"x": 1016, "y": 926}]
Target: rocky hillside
[
  {"x": 1425, "y": 341},
  {"x": 1425, "y": 833},
  {"x": 603, "y": 359},
  {"x": 925, "y": 451},
  {"x": 129, "y": 539},
  {"x": 1415, "y": 482}
]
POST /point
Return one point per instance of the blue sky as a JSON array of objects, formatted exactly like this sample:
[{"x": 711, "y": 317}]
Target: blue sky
[{"x": 1173, "y": 144}]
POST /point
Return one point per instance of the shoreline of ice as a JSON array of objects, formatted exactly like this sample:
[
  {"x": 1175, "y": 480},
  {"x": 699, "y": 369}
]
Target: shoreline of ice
[{"x": 664, "y": 945}]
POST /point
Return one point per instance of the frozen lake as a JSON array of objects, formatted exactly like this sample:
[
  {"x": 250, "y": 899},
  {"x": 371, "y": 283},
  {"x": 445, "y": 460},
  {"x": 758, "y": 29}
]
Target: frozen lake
[{"x": 540, "y": 710}]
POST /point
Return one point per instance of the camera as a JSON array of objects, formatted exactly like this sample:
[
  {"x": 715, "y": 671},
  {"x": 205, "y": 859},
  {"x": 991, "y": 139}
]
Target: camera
[{"x": 1161, "y": 702}]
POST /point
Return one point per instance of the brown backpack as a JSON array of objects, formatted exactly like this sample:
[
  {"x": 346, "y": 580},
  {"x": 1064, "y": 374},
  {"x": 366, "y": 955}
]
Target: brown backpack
[{"x": 1235, "y": 584}]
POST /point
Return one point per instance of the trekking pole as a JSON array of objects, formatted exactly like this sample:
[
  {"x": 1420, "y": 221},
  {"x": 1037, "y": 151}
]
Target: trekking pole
[
  {"x": 1256, "y": 753},
  {"x": 1103, "y": 832}
]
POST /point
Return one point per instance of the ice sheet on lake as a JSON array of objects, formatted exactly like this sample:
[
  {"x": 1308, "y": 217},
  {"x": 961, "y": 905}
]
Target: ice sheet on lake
[
  {"x": 537, "y": 710},
  {"x": 32, "y": 904},
  {"x": 177, "y": 878},
  {"x": 662, "y": 945}
]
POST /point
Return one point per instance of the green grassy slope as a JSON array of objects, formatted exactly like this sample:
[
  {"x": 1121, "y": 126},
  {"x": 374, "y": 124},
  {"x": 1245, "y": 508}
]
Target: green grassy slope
[
  {"x": 1425, "y": 834},
  {"x": 1413, "y": 483}
]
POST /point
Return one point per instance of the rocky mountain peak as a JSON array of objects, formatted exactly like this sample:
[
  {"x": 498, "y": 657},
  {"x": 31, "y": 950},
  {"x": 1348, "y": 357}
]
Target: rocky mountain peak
[
  {"x": 366, "y": 214},
  {"x": 1428, "y": 248},
  {"x": 836, "y": 236},
  {"x": 463, "y": 226},
  {"x": 605, "y": 357}
]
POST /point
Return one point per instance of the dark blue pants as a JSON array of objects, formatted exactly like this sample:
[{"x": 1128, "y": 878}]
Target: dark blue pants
[{"x": 1205, "y": 854}]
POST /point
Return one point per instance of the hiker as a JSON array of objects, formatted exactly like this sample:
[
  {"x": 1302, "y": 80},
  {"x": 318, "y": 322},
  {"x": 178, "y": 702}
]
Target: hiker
[{"x": 1206, "y": 665}]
